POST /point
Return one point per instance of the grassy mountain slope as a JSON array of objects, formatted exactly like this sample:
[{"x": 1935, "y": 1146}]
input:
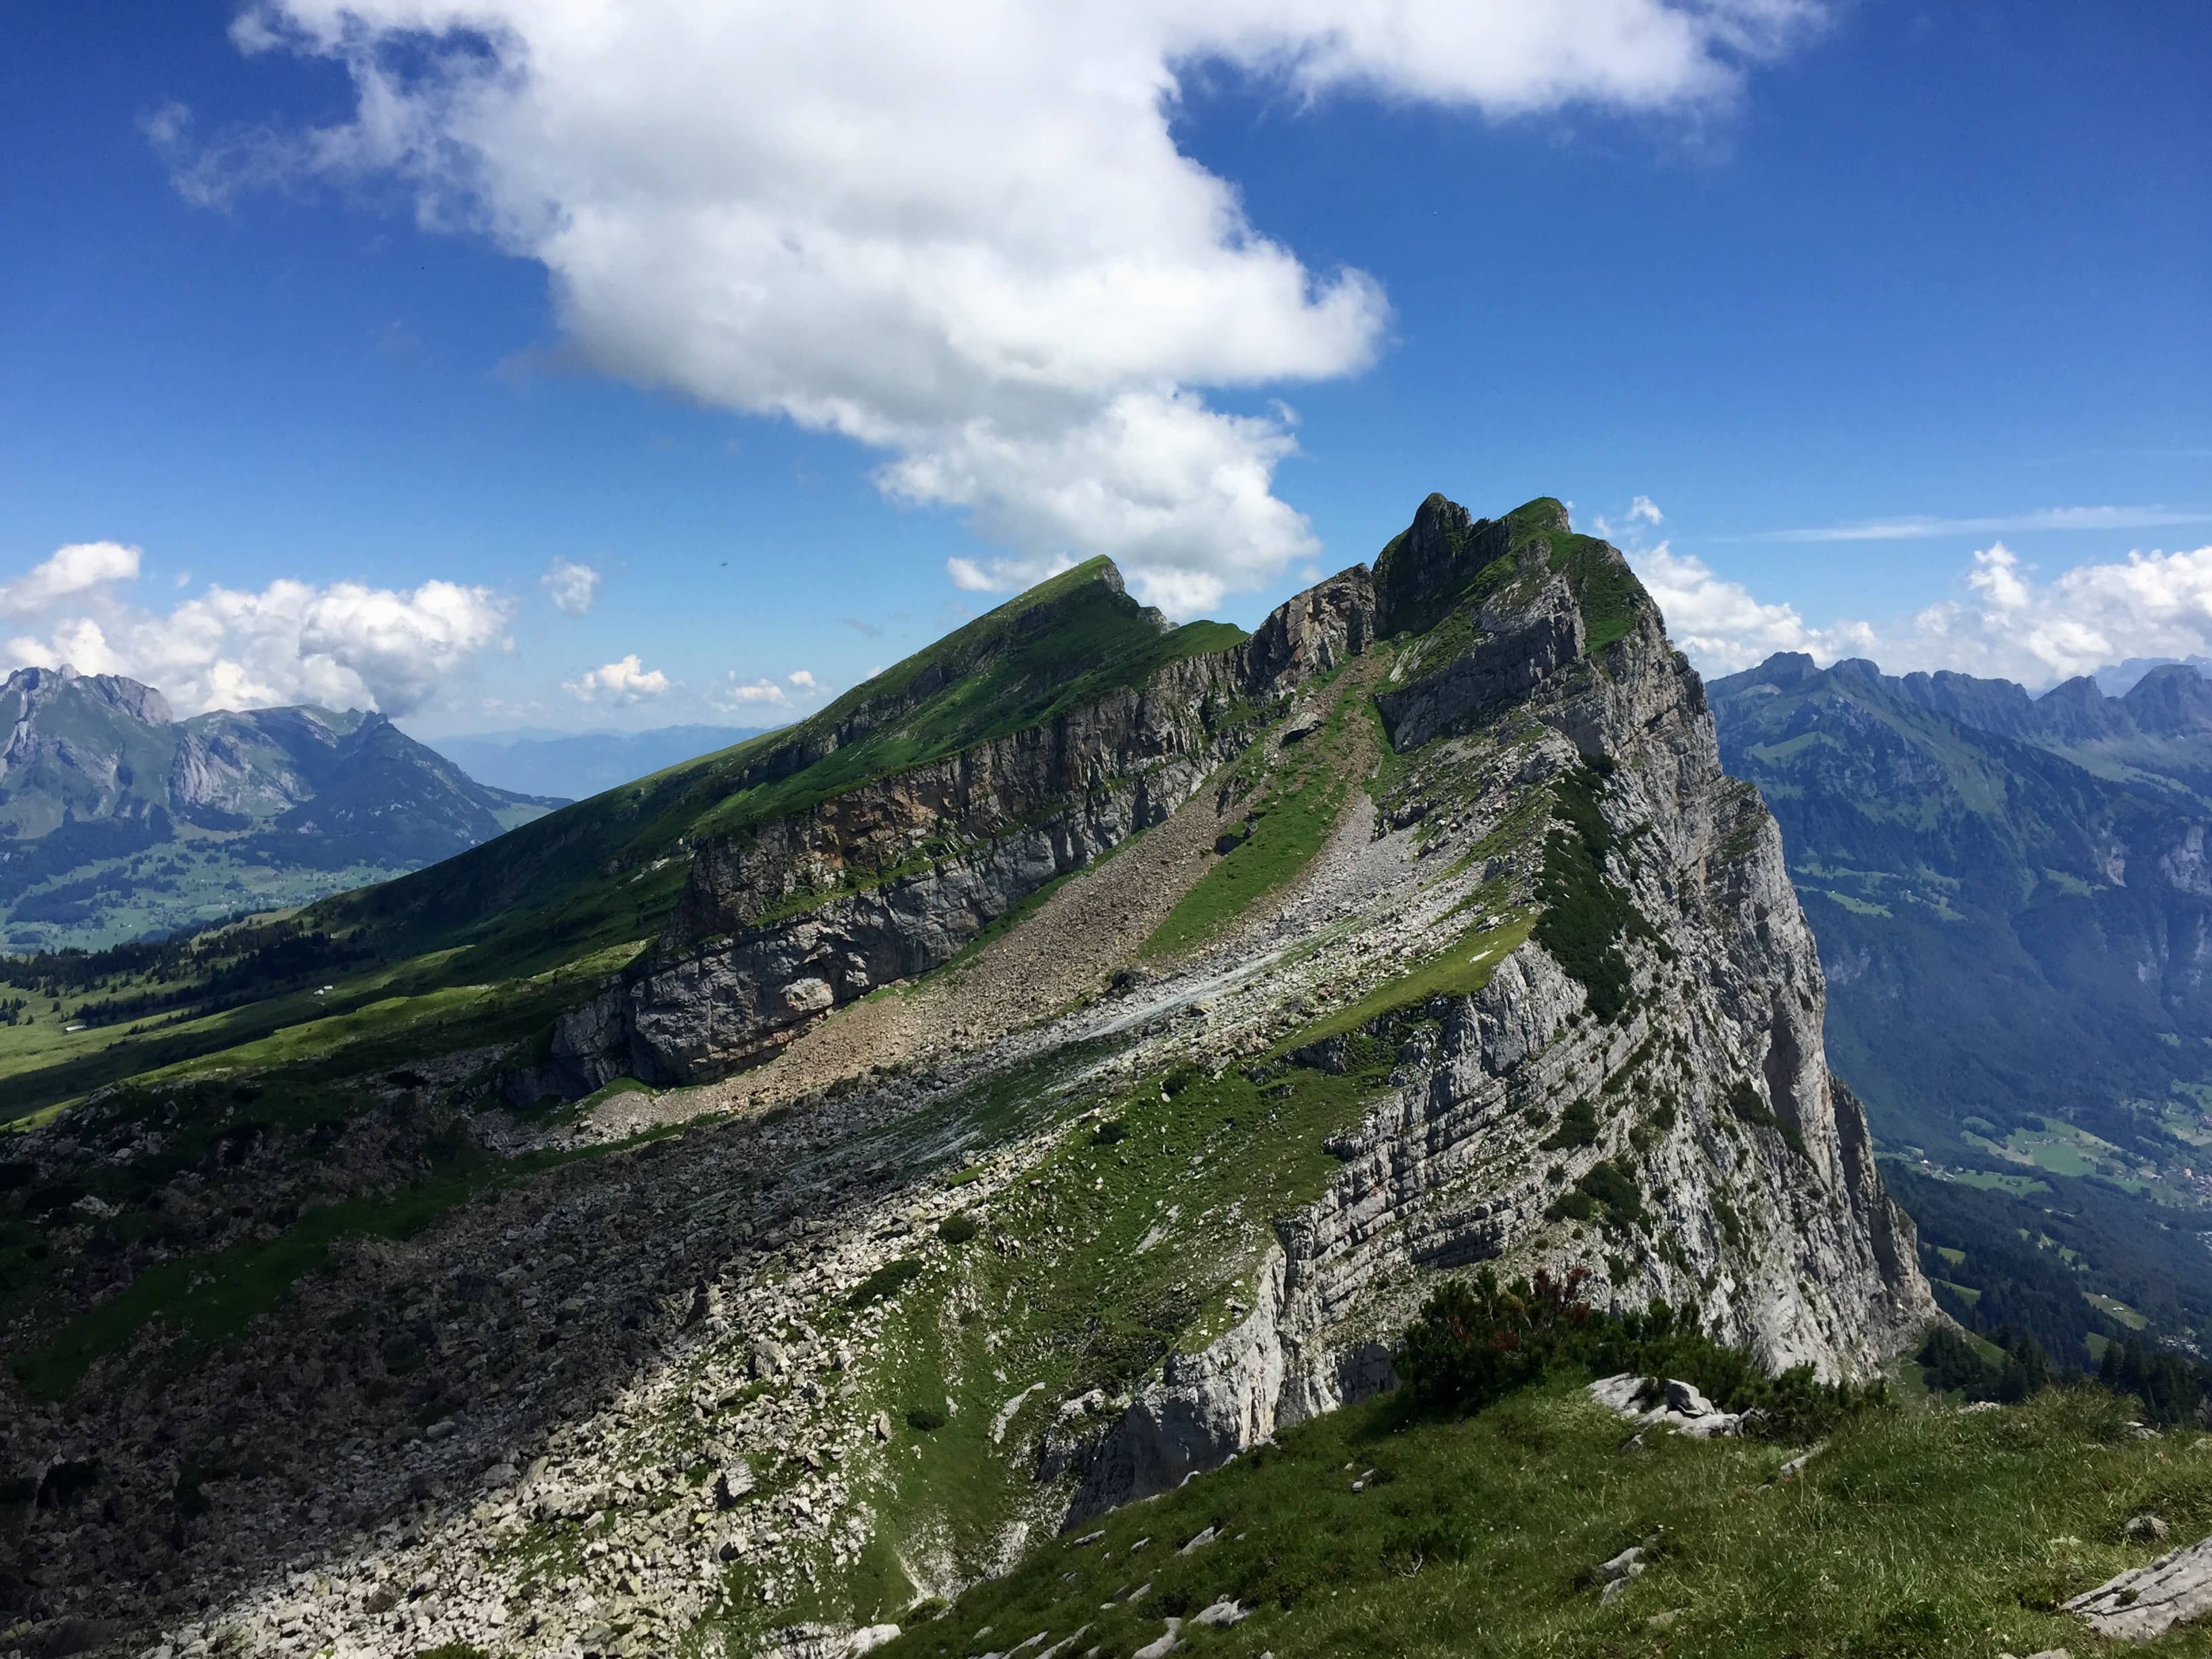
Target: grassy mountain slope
[
  {"x": 1914, "y": 1532},
  {"x": 607, "y": 870},
  {"x": 591, "y": 884},
  {"x": 805, "y": 1345}
]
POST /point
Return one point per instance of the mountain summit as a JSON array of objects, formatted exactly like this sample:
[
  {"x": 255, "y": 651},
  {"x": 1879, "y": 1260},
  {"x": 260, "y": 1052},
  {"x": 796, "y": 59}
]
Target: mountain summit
[{"x": 777, "y": 1191}]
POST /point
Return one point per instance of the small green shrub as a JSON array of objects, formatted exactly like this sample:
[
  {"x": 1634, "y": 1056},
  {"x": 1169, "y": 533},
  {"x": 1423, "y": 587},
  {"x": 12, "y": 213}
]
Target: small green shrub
[
  {"x": 1576, "y": 1206},
  {"x": 1616, "y": 1189},
  {"x": 1476, "y": 1342},
  {"x": 1743, "y": 1100},
  {"x": 925, "y": 1419},
  {"x": 1577, "y": 1127},
  {"x": 959, "y": 1228},
  {"x": 887, "y": 1280}
]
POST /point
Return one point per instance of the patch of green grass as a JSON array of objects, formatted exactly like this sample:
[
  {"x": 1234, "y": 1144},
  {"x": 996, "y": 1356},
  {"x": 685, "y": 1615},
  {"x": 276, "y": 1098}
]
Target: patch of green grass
[
  {"x": 1301, "y": 798},
  {"x": 1461, "y": 969},
  {"x": 2119, "y": 1309},
  {"x": 2060, "y": 1157},
  {"x": 2018, "y": 1185},
  {"x": 1915, "y": 1533},
  {"x": 1856, "y": 907},
  {"x": 887, "y": 1280},
  {"x": 1577, "y": 1127},
  {"x": 610, "y": 1090}
]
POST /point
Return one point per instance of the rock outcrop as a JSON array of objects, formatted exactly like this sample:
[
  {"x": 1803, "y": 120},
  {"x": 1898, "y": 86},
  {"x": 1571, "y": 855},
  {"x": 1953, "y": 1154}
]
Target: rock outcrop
[
  {"x": 1725, "y": 1027},
  {"x": 2147, "y": 1601}
]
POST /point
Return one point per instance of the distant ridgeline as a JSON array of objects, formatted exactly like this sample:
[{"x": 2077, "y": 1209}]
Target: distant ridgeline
[
  {"x": 2013, "y": 910},
  {"x": 119, "y": 822},
  {"x": 584, "y": 763}
]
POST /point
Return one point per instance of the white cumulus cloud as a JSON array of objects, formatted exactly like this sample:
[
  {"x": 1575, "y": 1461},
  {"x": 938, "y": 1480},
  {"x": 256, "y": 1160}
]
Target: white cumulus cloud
[
  {"x": 572, "y": 587},
  {"x": 624, "y": 681},
  {"x": 1721, "y": 627},
  {"x": 343, "y": 645},
  {"x": 739, "y": 694},
  {"x": 801, "y": 678},
  {"x": 2147, "y": 604},
  {"x": 2008, "y": 623},
  {"x": 73, "y": 569},
  {"x": 961, "y": 234}
]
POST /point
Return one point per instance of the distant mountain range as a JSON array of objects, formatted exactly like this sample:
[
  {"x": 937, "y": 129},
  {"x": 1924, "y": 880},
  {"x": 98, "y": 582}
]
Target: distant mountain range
[
  {"x": 577, "y": 766},
  {"x": 2120, "y": 678},
  {"x": 2158, "y": 731},
  {"x": 118, "y": 821},
  {"x": 2013, "y": 903}
]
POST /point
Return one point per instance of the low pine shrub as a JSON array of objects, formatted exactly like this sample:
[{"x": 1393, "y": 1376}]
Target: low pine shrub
[{"x": 1475, "y": 1342}]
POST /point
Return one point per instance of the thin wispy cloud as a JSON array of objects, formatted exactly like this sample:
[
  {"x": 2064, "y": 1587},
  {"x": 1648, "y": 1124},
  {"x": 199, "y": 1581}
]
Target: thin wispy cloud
[{"x": 2049, "y": 518}]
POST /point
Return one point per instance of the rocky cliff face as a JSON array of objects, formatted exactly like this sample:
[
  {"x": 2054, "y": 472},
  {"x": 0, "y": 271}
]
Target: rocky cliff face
[
  {"x": 1761, "y": 1184},
  {"x": 1525, "y": 983},
  {"x": 888, "y": 880}
]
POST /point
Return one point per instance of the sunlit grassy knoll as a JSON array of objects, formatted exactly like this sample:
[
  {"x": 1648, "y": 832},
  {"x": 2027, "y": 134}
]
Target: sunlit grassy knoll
[{"x": 1916, "y": 1533}]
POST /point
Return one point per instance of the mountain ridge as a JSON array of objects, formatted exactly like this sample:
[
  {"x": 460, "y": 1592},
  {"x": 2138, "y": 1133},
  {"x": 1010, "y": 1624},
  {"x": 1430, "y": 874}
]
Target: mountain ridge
[
  {"x": 1347, "y": 959},
  {"x": 2159, "y": 729}
]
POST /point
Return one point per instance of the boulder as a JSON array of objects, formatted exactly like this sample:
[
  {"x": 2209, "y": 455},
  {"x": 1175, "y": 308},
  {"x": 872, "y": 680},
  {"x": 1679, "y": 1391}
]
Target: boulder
[{"x": 2150, "y": 1601}]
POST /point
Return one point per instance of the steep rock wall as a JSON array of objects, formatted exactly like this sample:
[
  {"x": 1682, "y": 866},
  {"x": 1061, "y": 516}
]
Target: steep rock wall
[
  {"x": 1767, "y": 1209},
  {"x": 770, "y": 935}
]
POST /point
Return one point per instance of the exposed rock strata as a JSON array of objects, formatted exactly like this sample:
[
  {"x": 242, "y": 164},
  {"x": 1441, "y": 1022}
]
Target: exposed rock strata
[
  {"x": 769, "y": 934},
  {"x": 1449, "y": 1171}
]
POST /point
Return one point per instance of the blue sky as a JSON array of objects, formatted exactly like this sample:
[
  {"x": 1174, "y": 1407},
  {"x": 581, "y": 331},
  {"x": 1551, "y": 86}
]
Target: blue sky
[{"x": 804, "y": 372}]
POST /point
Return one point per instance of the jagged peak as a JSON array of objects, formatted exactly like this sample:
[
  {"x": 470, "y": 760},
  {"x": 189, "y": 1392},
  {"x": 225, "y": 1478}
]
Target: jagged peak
[
  {"x": 1855, "y": 670},
  {"x": 134, "y": 698},
  {"x": 1786, "y": 668},
  {"x": 2080, "y": 690},
  {"x": 1447, "y": 557}
]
